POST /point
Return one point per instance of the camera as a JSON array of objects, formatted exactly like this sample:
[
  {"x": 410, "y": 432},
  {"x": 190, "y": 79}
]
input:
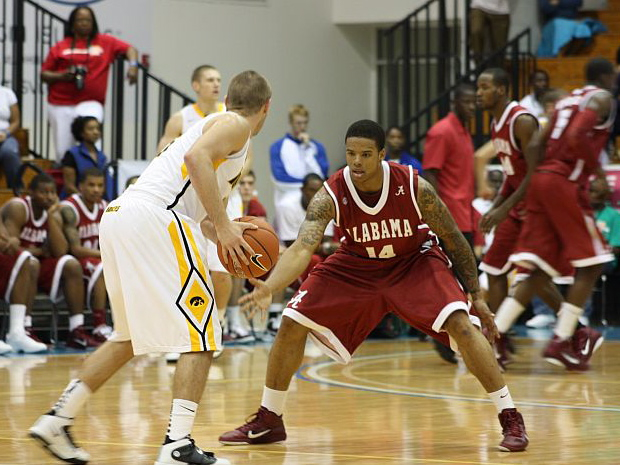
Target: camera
[{"x": 80, "y": 73}]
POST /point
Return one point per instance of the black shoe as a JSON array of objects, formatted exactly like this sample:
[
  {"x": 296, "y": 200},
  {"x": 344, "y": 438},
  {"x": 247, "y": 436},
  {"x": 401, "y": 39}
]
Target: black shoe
[
  {"x": 185, "y": 452},
  {"x": 445, "y": 352}
]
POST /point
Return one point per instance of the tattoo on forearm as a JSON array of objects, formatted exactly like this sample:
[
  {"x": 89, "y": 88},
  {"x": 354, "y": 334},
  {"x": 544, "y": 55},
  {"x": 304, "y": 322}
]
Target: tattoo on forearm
[
  {"x": 438, "y": 218},
  {"x": 319, "y": 213}
]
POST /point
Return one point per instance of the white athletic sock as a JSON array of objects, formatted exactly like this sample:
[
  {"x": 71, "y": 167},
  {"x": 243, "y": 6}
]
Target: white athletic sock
[
  {"x": 182, "y": 417},
  {"x": 75, "y": 321},
  {"x": 507, "y": 314},
  {"x": 232, "y": 313},
  {"x": 72, "y": 399},
  {"x": 28, "y": 321},
  {"x": 276, "y": 308},
  {"x": 568, "y": 317},
  {"x": 274, "y": 400},
  {"x": 502, "y": 399},
  {"x": 17, "y": 315}
]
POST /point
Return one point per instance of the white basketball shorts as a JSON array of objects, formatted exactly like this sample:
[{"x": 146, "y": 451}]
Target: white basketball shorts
[{"x": 159, "y": 287}]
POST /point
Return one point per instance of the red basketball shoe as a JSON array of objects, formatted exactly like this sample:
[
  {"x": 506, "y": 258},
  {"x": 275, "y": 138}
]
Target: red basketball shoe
[
  {"x": 513, "y": 429},
  {"x": 264, "y": 427},
  {"x": 562, "y": 353},
  {"x": 586, "y": 341}
]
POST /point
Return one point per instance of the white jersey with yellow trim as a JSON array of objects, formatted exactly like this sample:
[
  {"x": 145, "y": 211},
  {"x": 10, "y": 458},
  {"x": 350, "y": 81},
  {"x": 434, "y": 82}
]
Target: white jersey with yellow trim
[
  {"x": 166, "y": 178},
  {"x": 191, "y": 114}
]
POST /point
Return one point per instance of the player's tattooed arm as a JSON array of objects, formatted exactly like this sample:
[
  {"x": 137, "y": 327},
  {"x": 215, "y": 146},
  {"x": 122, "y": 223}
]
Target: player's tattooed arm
[
  {"x": 295, "y": 259},
  {"x": 320, "y": 212},
  {"x": 436, "y": 215},
  {"x": 69, "y": 226}
]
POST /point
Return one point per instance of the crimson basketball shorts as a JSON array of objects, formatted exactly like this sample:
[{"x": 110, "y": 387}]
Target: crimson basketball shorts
[
  {"x": 9, "y": 269},
  {"x": 50, "y": 275},
  {"x": 557, "y": 229},
  {"x": 92, "y": 268},
  {"x": 496, "y": 260},
  {"x": 345, "y": 297}
]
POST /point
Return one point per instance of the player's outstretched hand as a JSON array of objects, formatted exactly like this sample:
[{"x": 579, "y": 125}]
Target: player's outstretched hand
[
  {"x": 257, "y": 300},
  {"x": 234, "y": 245},
  {"x": 492, "y": 219},
  {"x": 487, "y": 319}
]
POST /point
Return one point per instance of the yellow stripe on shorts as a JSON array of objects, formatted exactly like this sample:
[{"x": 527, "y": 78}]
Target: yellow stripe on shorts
[
  {"x": 183, "y": 274},
  {"x": 203, "y": 272}
]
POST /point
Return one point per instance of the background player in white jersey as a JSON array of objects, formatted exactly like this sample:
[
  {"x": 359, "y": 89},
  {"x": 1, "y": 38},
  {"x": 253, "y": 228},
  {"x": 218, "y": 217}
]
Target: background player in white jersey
[
  {"x": 152, "y": 246},
  {"x": 206, "y": 82}
]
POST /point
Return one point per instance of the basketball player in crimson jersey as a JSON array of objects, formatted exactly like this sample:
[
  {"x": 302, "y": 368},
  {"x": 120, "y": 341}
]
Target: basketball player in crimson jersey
[
  {"x": 81, "y": 214},
  {"x": 559, "y": 225},
  {"x": 389, "y": 261},
  {"x": 512, "y": 129},
  {"x": 35, "y": 220}
]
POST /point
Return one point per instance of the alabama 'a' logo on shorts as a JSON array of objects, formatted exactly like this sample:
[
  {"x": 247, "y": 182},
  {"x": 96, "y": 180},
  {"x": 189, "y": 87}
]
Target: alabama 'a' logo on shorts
[{"x": 296, "y": 300}]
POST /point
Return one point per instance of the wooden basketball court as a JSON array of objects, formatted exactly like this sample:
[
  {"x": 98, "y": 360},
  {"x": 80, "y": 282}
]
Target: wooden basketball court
[{"x": 396, "y": 403}]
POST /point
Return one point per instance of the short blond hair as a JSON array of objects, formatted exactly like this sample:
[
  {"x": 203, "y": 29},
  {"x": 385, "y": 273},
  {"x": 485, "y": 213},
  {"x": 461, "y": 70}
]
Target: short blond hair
[
  {"x": 298, "y": 110},
  {"x": 248, "y": 92}
]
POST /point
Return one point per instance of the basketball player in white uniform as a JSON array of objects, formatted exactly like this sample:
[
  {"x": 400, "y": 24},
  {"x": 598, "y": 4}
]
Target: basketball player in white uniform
[
  {"x": 206, "y": 82},
  {"x": 152, "y": 246}
]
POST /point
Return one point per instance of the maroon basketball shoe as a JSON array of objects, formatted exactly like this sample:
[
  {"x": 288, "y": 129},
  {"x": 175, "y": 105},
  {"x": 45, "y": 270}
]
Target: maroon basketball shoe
[
  {"x": 502, "y": 351},
  {"x": 562, "y": 353},
  {"x": 264, "y": 427},
  {"x": 586, "y": 341},
  {"x": 513, "y": 429},
  {"x": 79, "y": 338}
]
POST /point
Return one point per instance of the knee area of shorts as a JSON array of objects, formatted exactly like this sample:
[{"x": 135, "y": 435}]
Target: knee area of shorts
[
  {"x": 72, "y": 268},
  {"x": 458, "y": 323},
  {"x": 33, "y": 266}
]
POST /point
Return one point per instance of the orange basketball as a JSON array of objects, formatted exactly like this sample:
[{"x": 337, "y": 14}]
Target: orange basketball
[{"x": 265, "y": 244}]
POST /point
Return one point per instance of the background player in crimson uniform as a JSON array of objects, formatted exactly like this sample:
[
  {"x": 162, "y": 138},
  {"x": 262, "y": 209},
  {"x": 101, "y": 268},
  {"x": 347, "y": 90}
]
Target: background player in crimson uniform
[
  {"x": 81, "y": 215},
  {"x": 35, "y": 220},
  {"x": 18, "y": 286},
  {"x": 559, "y": 224},
  {"x": 512, "y": 129},
  {"x": 389, "y": 261}
]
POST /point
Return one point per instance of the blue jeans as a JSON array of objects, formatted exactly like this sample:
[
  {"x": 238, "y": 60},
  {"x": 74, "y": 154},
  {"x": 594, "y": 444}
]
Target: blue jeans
[{"x": 9, "y": 160}]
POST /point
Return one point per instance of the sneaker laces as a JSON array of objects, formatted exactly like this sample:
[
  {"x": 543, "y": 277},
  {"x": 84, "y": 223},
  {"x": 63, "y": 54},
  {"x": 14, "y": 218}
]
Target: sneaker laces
[
  {"x": 512, "y": 424},
  {"x": 251, "y": 422},
  {"x": 193, "y": 443}
]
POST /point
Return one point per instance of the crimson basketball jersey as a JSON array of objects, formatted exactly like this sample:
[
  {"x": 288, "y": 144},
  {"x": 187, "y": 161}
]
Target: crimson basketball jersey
[
  {"x": 508, "y": 151},
  {"x": 391, "y": 228},
  {"x": 559, "y": 156},
  {"x": 34, "y": 232},
  {"x": 87, "y": 220}
]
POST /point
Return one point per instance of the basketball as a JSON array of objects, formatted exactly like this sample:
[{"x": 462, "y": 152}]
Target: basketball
[{"x": 265, "y": 243}]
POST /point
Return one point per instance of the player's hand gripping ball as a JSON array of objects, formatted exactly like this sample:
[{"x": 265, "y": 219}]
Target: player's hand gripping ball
[{"x": 265, "y": 244}]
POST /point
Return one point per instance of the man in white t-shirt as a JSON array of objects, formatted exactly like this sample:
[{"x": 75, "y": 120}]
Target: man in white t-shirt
[
  {"x": 539, "y": 82},
  {"x": 9, "y": 123}
]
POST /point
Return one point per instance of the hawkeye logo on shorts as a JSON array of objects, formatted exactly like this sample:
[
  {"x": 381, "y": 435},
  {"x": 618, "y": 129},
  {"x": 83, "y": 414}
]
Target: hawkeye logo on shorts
[
  {"x": 196, "y": 301},
  {"x": 255, "y": 260}
]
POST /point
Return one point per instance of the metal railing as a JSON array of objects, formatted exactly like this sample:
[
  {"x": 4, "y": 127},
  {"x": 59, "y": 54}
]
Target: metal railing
[
  {"x": 517, "y": 60},
  {"x": 134, "y": 115},
  {"x": 420, "y": 57}
]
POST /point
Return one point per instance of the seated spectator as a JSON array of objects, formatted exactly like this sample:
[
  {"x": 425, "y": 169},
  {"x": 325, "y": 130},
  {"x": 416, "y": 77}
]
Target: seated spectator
[
  {"x": 18, "y": 271},
  {"x": 9, "y": 123},
  {"x": 539, "y": 83},
  {"x": 36, "y": 222},
  {"x": 247, "y": 190},
  {"x": 79, "y": 158},
  {"x": 563, "y": 29},
  {"x": 294, "y": 156},
  {"x": 395, "y": 144},
  {"x": 81, "y": 214}
]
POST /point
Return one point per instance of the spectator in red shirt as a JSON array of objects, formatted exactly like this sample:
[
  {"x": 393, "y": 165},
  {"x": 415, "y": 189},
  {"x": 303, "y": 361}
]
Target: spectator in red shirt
[
  {"x": 76, "y": 70},
  {"x": 251, "y": 204},
  {"x": 449, "y": 159}
]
